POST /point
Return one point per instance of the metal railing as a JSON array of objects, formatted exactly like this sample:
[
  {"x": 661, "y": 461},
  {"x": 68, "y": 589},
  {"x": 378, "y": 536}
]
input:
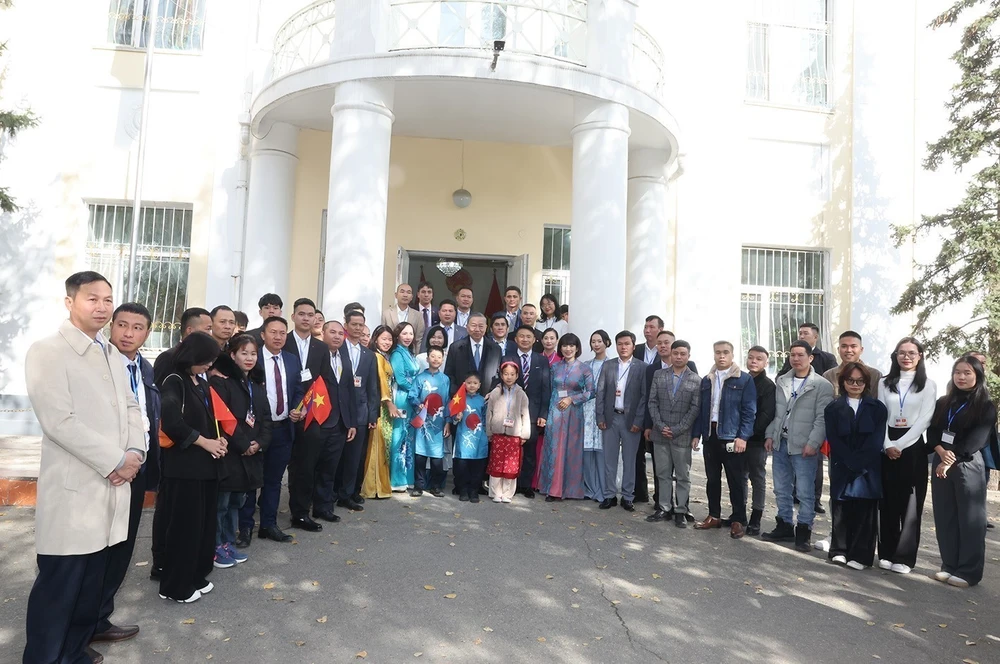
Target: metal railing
[
  {"x": 304, "y": 39},
  {"x": 180, "y": 24},
  {"x": 788, "y": 64},
  {"x": 550, "y": 28},
  {"x": 647, "y": 62}
]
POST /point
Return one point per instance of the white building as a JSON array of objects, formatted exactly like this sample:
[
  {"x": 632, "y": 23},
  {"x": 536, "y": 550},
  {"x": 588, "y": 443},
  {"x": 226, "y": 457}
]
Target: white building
[{"x": 731, "y": 165}]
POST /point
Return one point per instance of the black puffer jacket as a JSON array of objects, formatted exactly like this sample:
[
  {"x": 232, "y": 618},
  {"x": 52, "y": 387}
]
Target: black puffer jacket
[{"x": 243, "y": 473}]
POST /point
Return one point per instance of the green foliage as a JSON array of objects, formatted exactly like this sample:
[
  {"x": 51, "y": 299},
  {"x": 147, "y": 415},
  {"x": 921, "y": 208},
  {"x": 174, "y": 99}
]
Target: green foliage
[
  {"x": 967, "y": 267},
  {"x": 11, "y": 122}
]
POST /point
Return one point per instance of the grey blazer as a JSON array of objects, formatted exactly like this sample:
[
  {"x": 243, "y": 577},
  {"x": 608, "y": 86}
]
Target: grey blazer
[
  {"x": 677, "y": 411},
  {"x": 803, "y": 416},
  {"x": 635, "y": 392}
]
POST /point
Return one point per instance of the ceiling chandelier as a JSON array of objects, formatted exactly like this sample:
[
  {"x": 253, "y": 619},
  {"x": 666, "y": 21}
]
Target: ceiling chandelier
[{"x": 449, "y": 268}]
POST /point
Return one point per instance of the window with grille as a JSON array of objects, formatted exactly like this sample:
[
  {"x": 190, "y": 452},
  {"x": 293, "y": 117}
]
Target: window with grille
[
  {"x": 555, "y": 263},
  {"x": 163, "y": 254},
  {"x": 788, "y": 52},
  {"x": 781, "y": 289},
  {"x": 180, "y": 24}
]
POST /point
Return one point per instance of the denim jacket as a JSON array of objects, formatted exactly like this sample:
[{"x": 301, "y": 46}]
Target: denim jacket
[{"x": 737, "y": 409}]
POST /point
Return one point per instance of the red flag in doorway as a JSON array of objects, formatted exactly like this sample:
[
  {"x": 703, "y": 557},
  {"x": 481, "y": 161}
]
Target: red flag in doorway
[
  {"x": 423, "y": 279},
  {"x": 494, "y": 302}
]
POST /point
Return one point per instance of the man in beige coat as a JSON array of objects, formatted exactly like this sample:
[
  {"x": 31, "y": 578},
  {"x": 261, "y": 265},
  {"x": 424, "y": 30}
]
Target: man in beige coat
[
  {"x": 92, "y": 447},
  {"x": 400, "y": 312}
]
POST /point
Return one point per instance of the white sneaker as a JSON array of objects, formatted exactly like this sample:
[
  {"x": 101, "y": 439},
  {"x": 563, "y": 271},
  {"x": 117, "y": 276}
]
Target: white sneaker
[
  {"x": 840, "y": 560},
  {"x": 195, "y": 596},
  {"x": 942, "y": 576},
  {"x": 506, "y": 500},
  {"x": 207, "y": 589},
  {"x": 854, "y": 564},
  {"x": 885, "y": 564},
  {"x": 822, "y": 545},
  {"x": 957, "y": 582},
  {"x": 899, "y": 568},
  {"x": 498, "y": 499}
]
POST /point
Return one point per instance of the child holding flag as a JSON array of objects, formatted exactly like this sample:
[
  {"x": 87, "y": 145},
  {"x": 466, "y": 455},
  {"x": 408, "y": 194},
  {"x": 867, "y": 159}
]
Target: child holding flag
[
  {"x": 508, "y": 425},
  {"x": 428, "y": 395},
  {"x": 468, "y": 407}
]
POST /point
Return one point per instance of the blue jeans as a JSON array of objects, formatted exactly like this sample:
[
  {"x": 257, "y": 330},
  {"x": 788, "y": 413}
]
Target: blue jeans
[
  {"x": 794, "y": 470},
  {"x": 276, "y": 459},
  {"x": 227, "y": 513}
]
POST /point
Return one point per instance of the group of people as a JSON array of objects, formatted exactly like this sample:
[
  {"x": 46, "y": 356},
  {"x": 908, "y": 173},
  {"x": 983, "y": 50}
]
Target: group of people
[{"x": 504, "y": 403}]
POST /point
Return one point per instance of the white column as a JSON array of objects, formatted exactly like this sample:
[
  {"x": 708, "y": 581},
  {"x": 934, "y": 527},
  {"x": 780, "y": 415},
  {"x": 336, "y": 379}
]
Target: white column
[
  {"x": 358, "y": 198},
  {"x": 600, "y": 197},
  {"x": 267, "y": 258},
  {"x": 646, "y": 278}
]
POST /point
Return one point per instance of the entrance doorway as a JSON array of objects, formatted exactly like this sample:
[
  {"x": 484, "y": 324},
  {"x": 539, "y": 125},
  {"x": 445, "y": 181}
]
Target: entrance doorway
[{"x": 449, "y": 272}]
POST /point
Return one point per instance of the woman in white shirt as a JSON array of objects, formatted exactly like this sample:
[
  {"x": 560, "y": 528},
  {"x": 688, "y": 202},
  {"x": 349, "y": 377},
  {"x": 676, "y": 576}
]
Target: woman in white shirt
[
  {"x": 436, "y": 336},
  {"x": 910, "y": 398},
  {"x": 549, "y": 317}
]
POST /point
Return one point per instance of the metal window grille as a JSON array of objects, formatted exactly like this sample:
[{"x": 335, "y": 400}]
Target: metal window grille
[
  {"x": 781, "y": 290},
  {"x": 163, "y": 255},
  {"x": 555, "y": 262},
  {"x": 180, "y": 24},
  {"x": 788, "y": 53}
]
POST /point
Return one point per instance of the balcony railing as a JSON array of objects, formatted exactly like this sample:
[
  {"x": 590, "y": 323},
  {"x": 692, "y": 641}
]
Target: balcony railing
[
  {"x": 550, "y": 28},
  {"x": 304, "y": 39},
  {"x": 647, "y": 62}
]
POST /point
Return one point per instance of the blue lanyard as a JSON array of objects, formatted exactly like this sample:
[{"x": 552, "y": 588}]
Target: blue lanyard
[
  {"x": 250, "y": 388},
  {"x": 902, "y": 398},
  {"x": 133, "y": 379},
  {"x": 952, "y": 416}
]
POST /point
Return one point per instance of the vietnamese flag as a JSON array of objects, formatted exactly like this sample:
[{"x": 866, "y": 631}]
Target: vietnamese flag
[
  {"x": 223, "y": 415},
  {"x": 319, "y": 405},
  {"x": 418, "y": 420},
  {"x": 457, "y": 404}
]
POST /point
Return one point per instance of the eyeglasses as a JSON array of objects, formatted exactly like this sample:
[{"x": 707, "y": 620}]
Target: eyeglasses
[
  {"x": 909, "y": 353},
  {"x": 854, "y": 381}
]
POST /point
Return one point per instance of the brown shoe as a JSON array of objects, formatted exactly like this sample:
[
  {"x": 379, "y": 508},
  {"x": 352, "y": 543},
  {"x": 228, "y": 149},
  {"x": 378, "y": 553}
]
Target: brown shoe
[
  {"x": 95, "y": 657},
  {"x": 709, "y": 522},
  {"x": 115, "y": 633},
  {"x": 736, "y": 530}
]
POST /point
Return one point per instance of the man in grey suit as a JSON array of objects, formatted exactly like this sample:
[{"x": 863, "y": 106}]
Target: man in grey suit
[
  {"x": 620, "y": 410},
  {"x": 674, "y": 403}
]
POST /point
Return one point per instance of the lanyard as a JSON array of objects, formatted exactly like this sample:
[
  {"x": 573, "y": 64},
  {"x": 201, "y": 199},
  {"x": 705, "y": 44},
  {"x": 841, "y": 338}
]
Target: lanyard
[
  {"x": 952, "y": 416},
  {"x": 623, "y": 376},
  {"x": 902, "y": 398},
  {"x": 250, "y": 388},
  {"x": 133, "y": 379},
  {"x": 677, "y": 381}
]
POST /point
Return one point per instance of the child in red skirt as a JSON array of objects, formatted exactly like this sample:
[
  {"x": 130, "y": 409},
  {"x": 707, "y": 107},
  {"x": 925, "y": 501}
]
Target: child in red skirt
[{"x": 508, "y": 425}]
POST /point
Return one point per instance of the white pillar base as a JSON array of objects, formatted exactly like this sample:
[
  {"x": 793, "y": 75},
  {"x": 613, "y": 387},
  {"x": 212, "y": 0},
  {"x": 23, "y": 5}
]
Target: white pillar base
[{"x": 646, "y": 281}]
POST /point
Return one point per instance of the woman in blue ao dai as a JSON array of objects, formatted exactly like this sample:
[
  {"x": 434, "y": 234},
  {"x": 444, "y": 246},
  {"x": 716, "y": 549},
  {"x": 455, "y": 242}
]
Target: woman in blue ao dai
[{"x": 404, "y": 367}]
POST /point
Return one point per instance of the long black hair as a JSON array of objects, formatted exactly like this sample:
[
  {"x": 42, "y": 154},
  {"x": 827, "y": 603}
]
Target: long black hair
[
  {"x": 892, "y": 378},
  {"x": 379, "y": 331},
  {"x": 197, "y": 348},
  {"x": 977, "y": 398}
]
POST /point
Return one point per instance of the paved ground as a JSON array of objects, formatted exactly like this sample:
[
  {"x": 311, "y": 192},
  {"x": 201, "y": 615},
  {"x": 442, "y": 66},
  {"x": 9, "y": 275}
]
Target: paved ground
[{"x": 561, "y": 582}]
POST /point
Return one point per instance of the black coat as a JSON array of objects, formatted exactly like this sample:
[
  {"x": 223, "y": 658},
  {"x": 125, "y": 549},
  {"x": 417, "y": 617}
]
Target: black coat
[
  {"x": 856, "y": 448},
  {"x": 765, "y": 409},
  {"x": 512, "y": 341},
  {"x": 317, "y": 360},
  {"x": 460, "y": 363},
  {"x": 186, "y": 414},
  {"x": 539, "y": 388},
  {"x": 243, "y": 473}
]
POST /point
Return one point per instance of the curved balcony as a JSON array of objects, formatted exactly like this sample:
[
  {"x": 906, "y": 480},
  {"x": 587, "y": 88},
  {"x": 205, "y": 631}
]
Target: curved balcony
[{"x": 304, "y": 39}]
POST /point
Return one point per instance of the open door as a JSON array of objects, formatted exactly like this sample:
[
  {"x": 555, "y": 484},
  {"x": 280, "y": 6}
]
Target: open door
[
  {"x": 403, "y": 269},
  {"x": 517, "y": 275}
]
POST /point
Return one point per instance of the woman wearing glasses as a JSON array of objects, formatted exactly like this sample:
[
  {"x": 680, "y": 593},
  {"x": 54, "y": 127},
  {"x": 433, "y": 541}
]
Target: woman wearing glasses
[{"x": 910, "y": 398}]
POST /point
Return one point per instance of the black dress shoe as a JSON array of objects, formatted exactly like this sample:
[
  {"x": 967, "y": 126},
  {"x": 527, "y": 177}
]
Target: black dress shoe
[
  {"x": 464, "y": 497},
  {"x": 679, "y": 521},
  {"x": 658, "y": 515},
  {"x": 819, "y": 509},
  {"x": 990, "y": 526},
  {"x": 95, "y": 657},
  {"x": 529, "y": 493},
  {"x": 350, "y": 504},
  {"x": 273, "y": 533},
  {"x": 416, "y": 493},
  {"x": 155, "y": 573},
  {"x": 689, "y": 517},
  {"x": 305, "y": 523},
  {"x": 358, "y": 498},
  {"x": 116, "y": 633},
  {"x": 437, "y": 493},
  {"x": 627, "y": 505},
  {"x": 244, "y": 537},
  {"x": 608, "y": 503},
  {"x": 473, "y": 497},
  {"x": 326, "y": 516}
]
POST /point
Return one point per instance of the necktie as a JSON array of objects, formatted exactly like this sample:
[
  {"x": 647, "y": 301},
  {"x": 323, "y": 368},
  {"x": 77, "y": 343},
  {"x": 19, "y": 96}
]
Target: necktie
[
  {"x": 336, "y": 365},
  {"x": 476, "y": 356},
  {"x": 447, "y": 332},
  {"x": 280, "y": 408},
  {"x": 524, "y": 370},
  {"x": 134, "y": 380},
  {"x": 427, "y": 318}
]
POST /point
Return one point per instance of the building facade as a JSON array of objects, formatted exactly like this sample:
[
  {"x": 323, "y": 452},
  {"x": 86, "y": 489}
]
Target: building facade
[{"x": 734, "y": 166}]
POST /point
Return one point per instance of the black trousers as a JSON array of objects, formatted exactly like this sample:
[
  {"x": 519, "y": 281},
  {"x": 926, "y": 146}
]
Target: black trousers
[
  {"x": 316, "y": 454},
  {"x": 190, "y": 508},
  {"x": 904, "y": 489},
  {"x": 717, "y": 459},
  {"x": 529, "y": 458},
  {"x": 469, "y": 474},
  {"x": 64, "y": 607},
  {"x": 120, "y": 555},
  {"x": 960, "y": 518},
  {"x": 854, "y": 529},
  {"x": 159, "y": 534},
  {"x": 350, "y": 471},
  {"x": 421, "y": 480},
  {"x": 641, "y": 479}
]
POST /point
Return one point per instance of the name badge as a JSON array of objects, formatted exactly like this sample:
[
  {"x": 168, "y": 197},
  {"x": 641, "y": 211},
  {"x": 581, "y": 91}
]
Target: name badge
[
  {"x": 562, "y": 394},
  {"x": 305, "y": 376},
  {"x": 250, "y": 419},
  {"x": 357, "y": 381},
  {"x": 947, "y": 437},
  {"x": 901, "y": 423},
  {"x": 618, "y": 393},
  {"x": 508, "y": 422}
]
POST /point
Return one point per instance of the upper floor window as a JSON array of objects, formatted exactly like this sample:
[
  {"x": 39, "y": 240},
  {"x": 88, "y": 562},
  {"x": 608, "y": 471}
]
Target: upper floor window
[
  {"x": 555, "y": 262},
  {"x": 789, "y": 170},
  {"x": 788, "y": 53},
  {"x": 180, "y": 24}
]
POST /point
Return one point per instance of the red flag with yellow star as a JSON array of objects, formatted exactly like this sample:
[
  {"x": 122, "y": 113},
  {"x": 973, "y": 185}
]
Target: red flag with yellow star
[
  {"x": 316, "y": 403},
  {"x": 223, "y": 415},
  {"x": 457, "y": 404}
]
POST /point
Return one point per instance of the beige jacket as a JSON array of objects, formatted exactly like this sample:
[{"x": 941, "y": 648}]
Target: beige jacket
[
  {"x": 390, "y": 318},
  {"x": 496, "y": 413},
  {"x": 89, "y": 417}
]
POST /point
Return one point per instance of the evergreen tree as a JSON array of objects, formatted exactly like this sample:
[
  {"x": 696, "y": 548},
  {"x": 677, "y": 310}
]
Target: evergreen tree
[
  {"x": 967, "y": 268},
  {"x": 11, "y": 122}
]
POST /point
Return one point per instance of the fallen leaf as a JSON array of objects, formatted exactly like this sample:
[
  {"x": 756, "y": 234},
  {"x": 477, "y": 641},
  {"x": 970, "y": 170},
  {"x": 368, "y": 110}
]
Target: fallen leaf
[
  {"x": 477, "y": 642},
  {"x": 429, "y": 588},
  {"x": 189, "y": 621},
  {"x": 575, "y": 606},
  {"x": 549, "y": 576},
  {"x": 970, "y": 643},
  {"x": 449, "y": 574},
  {"x": 226, "y": 639},
  {"x": 362, "y": 654},
  {"x": 943, "y": 625},
  {"x": 451, "y": 596},
  {"x": 923, "y": 629},
  {"x": 636, "y": 595},
  {"x": 656, "y": 599},
  {"x": 616, "y": 602},
  {"x": 899, "y": 625},
  {"x": 315, "y": 583},
  {"x": 261, "y": 633},
  {"x": 277, "y": 598},
  {"x": 598, "y": 638},
  {"x": 969, "y": 661},
  {"x": 208, "y": 657},
  {"x": 657, "y": 576},
  {"x": 576, "y": 590},
  {"x": 352, "y": 562},
  {"x": 142, "y": 563},
  {"x": 870, "y": 623},
  {"x": 269, "y": 585},
  {"x": 321, "y": 620},
  {"x": 541, "y": 639},
  {"x": 487, "y": 629},
  {"x": 417, "y": 654},
  {"x": 300, "y": 643},
  {"x": 451, "y": 544}
]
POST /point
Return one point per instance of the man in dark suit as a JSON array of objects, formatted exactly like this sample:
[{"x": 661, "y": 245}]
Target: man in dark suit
[
  {"x": 312, "y": 353},
  {"x": 498, "y": 334},
  {"x": 130, "y": 327},
  {"x": 473, "y": 354},
  {"x": 512, "y": 307},
  {"x": 318, "y": 447},
  {"x": 536, "y": 380},
  {"x": 447, "y": 313},
  {"x": 365, "y": 387},
  {"x": 425, "y": 305},
  {"x": 529, "y": 315},
  {"x": 282, "y": 373},
  {"x": 620, "y": 410},
  {"x": 822, "y": 361},
  {"x": 268, "y": 306},
  {"x": 194, "y": 319}
]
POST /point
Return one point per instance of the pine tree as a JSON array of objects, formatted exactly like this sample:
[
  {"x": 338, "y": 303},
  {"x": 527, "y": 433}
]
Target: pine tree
[
  {"x": 967, "y": 267},
  {"x": 11, "y": 122}
]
